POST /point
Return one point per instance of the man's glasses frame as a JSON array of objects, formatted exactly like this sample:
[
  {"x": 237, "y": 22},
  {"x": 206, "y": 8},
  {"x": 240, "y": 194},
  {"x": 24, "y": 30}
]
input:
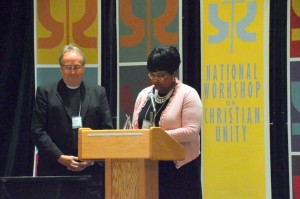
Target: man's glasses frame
[{"x": 70, "y": 68}]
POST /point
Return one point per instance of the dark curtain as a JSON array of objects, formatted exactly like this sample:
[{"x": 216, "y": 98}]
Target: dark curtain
[
  {"x": 16, "y": 87},
  {"x": 191, "y": 44},
  {"x": 109, "y": 54},
  {"x": 17, "y": 81},
  {"x": 278, "y": 100}
]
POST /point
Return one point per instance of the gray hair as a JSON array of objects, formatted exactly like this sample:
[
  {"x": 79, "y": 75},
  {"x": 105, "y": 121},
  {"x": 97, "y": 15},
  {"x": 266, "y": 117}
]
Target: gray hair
[{"x": 71, "y": 48}]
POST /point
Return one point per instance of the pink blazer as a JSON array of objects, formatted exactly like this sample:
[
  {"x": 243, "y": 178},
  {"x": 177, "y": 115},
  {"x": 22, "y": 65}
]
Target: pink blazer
[{"x": 181, "y": 119}]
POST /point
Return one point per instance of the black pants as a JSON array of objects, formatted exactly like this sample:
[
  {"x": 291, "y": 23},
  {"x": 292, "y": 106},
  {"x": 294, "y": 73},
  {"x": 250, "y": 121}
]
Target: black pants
[{"x": 182, "y": 183}]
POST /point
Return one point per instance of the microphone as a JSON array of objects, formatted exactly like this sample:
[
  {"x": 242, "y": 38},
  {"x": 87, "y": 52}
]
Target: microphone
[{"x": 151, "y": 96}]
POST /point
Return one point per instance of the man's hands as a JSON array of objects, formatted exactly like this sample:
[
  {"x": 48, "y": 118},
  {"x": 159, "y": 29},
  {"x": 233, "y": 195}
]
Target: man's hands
[{"x": 73, "y": 164}]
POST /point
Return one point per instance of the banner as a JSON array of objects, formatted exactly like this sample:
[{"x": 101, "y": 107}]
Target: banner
[
  {"x": 235, "y": 96},
  {"x": 293, "y": 65}
]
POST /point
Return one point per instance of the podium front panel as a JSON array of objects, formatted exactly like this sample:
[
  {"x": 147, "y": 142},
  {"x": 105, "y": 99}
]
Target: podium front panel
[{"x": 114, "y": 144}]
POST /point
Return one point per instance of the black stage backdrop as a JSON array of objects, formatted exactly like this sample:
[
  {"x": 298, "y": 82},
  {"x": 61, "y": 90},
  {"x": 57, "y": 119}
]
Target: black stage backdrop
[
  {"x": 16, "y": 87},
  {"x": 278, "y": 100},
  {"x": 17, "y": 81}
]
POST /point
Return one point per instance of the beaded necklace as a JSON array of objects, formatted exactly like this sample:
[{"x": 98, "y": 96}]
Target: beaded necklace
[{"x": 160, "y": 100}]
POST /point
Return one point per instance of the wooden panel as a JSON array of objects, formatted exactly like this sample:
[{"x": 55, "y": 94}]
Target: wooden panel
[
  {"x": 131, "y": 179},
  {"x": 125, "y": 186},
  {"x": 164, "y": 147},
  {"x": 120, "y": 144}
]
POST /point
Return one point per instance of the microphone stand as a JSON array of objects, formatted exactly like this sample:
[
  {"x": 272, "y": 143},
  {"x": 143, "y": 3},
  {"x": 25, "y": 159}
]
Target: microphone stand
[
  {"x": 151, "y": 96},
  {"x": 152, "y": 118}
]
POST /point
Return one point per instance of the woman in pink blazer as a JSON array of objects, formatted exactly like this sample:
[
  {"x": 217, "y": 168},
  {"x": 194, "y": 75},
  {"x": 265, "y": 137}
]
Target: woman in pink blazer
[{"x": 176, "y": 108}]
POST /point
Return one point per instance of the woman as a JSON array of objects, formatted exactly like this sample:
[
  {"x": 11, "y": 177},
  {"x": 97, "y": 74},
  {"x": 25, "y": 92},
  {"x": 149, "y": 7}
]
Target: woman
[{"x": 178, "y": 110}]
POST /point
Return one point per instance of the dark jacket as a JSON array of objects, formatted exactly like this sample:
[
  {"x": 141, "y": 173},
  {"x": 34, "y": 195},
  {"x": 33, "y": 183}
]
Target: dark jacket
[{"x": 52, "y": 131}]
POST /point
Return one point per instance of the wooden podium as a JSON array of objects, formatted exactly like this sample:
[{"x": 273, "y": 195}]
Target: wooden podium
[{"x": 131, "y": 158}]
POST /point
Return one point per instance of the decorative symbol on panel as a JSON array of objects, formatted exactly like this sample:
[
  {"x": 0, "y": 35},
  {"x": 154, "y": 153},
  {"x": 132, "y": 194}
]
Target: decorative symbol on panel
[
  {"x": 83, "y": 24},
  {"x": 223, "y": 26},
  {"x": 295, "y": 104},
  {"x": 295, "y": 36},
  {"x": 128, "y": 97},
  {"x": 54, "y": 26},
  {"x": 127, "y": 102},
  {"x": 142, "y": 27},
  {"x": 294, "y": 29},
  {"x": 61, "y": 29},
  {"x": 160, "y": 24}
]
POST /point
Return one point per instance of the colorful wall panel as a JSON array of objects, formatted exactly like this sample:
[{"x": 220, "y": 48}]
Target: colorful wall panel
[
  {"x": 235, "y": 96},
  {"x": 293, "y": 66},
  {"x": 141, "y": 25},
  {"x": 61, "y": 22}
]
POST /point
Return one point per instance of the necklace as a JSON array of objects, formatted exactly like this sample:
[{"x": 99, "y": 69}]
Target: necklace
[{"x": 160, "y": 100}]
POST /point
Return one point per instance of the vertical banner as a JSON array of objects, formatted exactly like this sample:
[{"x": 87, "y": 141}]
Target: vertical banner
[
  {"x": 61, "y": 22},
  {"x": 235, "y": 95},
  {"x": 293, "y": 63},
  {"x": 142, "y": 25}
]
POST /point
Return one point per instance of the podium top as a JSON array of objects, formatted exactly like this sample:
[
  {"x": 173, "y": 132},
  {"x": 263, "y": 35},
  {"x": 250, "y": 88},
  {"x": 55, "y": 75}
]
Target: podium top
[{"x": 153, "y": 144}]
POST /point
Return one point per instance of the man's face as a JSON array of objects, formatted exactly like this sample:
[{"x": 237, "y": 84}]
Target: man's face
[{"x": 72, "y": 68}]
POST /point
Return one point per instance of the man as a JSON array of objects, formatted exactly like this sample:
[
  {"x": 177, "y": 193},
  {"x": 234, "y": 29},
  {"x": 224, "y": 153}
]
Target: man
[{"x": 60, "y": 109}]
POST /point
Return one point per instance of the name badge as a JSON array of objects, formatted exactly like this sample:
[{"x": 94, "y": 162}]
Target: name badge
[{"x": 76, "y": 122}]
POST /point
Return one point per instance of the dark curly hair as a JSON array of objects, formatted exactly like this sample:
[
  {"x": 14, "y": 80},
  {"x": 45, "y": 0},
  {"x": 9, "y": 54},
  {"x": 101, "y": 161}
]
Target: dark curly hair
[{"x": 164, "y": 58}]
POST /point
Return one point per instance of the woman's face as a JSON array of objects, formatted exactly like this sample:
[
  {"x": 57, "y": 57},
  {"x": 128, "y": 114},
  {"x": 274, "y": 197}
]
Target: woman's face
[{"x": 162, "y": 81}]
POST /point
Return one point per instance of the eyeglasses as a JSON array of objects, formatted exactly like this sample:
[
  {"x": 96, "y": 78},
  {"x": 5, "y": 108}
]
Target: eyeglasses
[
  {"x": 159, "y": 78},
  {"x": 69, "y": 67}
]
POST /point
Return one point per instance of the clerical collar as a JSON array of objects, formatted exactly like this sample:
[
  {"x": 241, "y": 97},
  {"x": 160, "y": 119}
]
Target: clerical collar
[{"x": 72, "y": 87}]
